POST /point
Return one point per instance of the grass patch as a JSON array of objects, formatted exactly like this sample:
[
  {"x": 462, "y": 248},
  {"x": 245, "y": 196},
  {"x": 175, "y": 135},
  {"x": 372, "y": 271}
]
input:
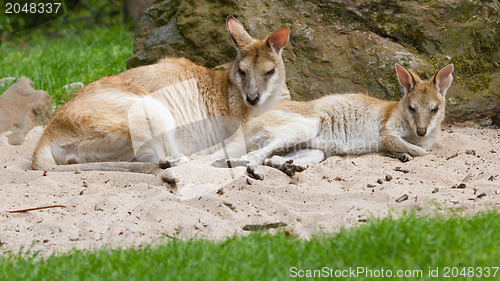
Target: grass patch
[
  {"x": 408, "y": 243},
  {"x": 74, "y": 54}
]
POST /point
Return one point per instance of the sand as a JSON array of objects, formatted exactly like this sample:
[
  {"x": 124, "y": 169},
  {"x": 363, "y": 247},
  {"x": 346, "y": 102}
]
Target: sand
[{"x": 116, "y": 209}]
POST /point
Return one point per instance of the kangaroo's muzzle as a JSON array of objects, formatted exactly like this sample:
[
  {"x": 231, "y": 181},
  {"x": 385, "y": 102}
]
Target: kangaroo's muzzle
[
  {"x": 421, "y": 131},
  {"x": 253, "y": 101}
]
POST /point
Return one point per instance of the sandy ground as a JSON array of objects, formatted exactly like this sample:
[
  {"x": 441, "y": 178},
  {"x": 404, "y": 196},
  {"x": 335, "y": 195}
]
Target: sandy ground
[{"x": 116, "y": 209}]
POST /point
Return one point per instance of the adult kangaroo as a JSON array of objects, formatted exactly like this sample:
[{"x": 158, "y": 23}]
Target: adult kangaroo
[{"x": 136, "y": 119}]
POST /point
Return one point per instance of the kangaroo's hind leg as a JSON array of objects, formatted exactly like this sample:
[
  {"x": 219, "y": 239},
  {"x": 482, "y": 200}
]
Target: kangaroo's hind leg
[{"x": 152, "y": 130}]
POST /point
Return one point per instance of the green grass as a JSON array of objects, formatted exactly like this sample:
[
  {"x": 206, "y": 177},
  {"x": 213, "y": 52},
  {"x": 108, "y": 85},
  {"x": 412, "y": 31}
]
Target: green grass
[
  {"x": 76, "y": 54},
  {"x": 408, "y": 243}
]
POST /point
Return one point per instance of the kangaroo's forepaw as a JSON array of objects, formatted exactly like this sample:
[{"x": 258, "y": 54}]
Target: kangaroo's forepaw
[
  {"x": 254, "y": 172},
  {"x": 286, "y": 167},
  {"x": 230, "y": 163},
  {"x": 164, "y": 164},
  {"x": 405, "y": 157}
]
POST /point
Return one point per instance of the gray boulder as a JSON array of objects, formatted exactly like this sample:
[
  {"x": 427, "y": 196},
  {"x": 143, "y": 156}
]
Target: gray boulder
[{"x": 344, "y": 46}]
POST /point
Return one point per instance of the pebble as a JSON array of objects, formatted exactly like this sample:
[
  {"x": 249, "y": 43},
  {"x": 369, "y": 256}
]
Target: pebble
[
  {"x": 168, "y": 176},
  {"x": 388, "y": 177},
  {"x": 470, "y": 152},
  {"x": 435, "y": 190},
  {"x": 380, "y": 181},
  {"x": 481, "y": 195},
  {"x": 85, "y": 184},
  {"x": 459, "y": 186},
  {"x": 370, "y": 185},
  {"x": 77, "y": 171}
]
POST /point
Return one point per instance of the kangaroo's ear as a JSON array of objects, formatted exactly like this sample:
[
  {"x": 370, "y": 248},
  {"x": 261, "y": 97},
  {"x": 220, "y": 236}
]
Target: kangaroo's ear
[
  {"x": 407, "y": 79},
  {"x": 278, "y": 39},
  {"x": 237, "y": 32},
  {"x": 443, "y": 78}
]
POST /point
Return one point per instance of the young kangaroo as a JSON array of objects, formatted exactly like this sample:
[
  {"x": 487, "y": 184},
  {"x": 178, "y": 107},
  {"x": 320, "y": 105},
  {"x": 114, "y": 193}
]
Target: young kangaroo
[
  {"x": 171, "y": 108},
  {"x": 353, "y": 123}
]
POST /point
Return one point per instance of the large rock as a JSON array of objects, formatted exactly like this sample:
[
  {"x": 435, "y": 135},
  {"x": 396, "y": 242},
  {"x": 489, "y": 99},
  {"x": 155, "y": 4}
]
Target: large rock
[
  {"x": 344, "y": 46},
  {"x": 21, "y": 108}
]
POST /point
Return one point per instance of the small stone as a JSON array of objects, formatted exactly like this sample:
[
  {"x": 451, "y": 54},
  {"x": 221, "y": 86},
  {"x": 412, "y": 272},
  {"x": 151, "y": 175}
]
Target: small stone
[
  {"x": 249, "y": 181},
  {"x": 436, "y": 190},
  {"x": 220, "y": 191},
  {"x": 77, "y": 171},
  {"x": 370, "y": 185},
  {"x": 459, "y": 186},
  {"x": 168, "y": 176},
  {"x": 81, "y": 192},
  {"x": 380, "y": 181},
  {"x": 481, "y": 195},
  {"x": 470, "y": 152},
  {"x": 85, "y": 184},
  {"x": 388, "y": 177},
  {"x": 498, "y": 191}
]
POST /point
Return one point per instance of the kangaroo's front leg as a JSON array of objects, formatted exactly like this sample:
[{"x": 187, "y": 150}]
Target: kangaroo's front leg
[{"x": 397, "y": 147}]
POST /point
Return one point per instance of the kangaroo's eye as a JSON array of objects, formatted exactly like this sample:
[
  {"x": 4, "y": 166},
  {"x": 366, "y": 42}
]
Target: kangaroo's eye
[
  {"x": 411, "y": 108},
  {"x": 241, "y": 72},
  {"x": 270, "y": 72},
  {"x": 435, "y": 109}
]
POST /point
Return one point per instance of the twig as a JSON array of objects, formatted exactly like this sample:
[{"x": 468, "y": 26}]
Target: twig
[
  {"x": 398, "y": 169},
  {"x": 256, "y": 227},
  {"x": 402, "y": 198},
  {"x": 38, "y": 208}
]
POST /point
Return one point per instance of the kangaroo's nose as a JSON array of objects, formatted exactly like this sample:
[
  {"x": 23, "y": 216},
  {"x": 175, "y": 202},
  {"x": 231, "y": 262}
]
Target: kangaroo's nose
[
  {"x": 421, "y": 131},
  {"x": 253, "y": 101}
]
